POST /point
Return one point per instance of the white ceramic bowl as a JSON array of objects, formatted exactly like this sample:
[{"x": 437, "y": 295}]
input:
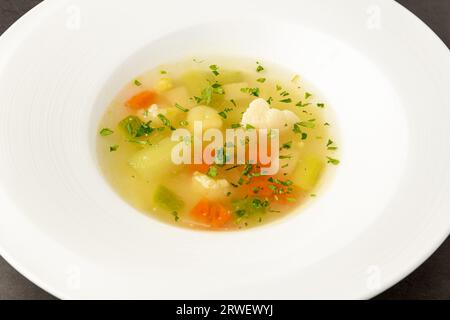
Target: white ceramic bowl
[{"x": 384, "y": 73}]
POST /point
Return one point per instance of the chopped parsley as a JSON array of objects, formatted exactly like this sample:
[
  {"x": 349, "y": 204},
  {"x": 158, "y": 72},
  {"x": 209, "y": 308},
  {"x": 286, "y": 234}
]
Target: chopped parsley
[
  {"x": 288, "y": 100},
  {"x": 333, "y": 161},
  {"x": 106, "y": 132},
  {"x": 207, "y": 93},
  {"x": 113, "y": 148},
  {"x": 330, "y": 145},
  {"x": 252, "y": 91},
  {"x": 176, "y": 216},
  {"x": 181, "y": 107},
  {"x": 259, "y": 67},
  {"x": 137, "y": 83},
  {"x": 321, "y": 105},
  {"x": 307, "y": 95},
  {"x": 302, "y": 105},
  {"x": 214, "y": 68},
  {"x": 261, "y": 80},
  {"x": 307, "y": 124},
  {"x": 212, "y": 172},
  {"x": 287, "y": 145},
  {"x": 166, "y": 122},
  {"x": 299, "y": 131},
  {"x": 144, "y": 130}
]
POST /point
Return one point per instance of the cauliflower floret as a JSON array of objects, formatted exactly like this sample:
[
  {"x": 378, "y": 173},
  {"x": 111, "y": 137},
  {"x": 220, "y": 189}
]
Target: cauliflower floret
[
  {"x": 261, "y": 116},
  {"x": 212, "y": 189}
]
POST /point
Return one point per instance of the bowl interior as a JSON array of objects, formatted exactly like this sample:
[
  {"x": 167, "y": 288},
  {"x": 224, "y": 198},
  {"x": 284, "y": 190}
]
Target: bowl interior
[{"x": 54, "y": 181}]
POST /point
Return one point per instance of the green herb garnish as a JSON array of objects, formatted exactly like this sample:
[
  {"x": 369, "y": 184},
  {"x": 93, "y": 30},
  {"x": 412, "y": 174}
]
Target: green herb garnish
[
  {"x": 212, "y": 172},
  {"x": 287, "y": 145},
  {"x": 307, "y": 124},
  {"x": 223, "y": 114},
  {"x": 144, "y": 130},
  {"x": 333, "y": 161},
  {"x": 166, "y": 122},
  {"x": 181, "y": 108},
  {"x": 252, "y": 91},
  {"x": 106, "y": 132},
  {"x": 137, "y": 83},
  {"x": 302, "y": 105},
  {"x": 259, "y": 68},
  {"x": 214, "y": 68},
  {"x": 176, "y": 216},
  {"x": 113, "y": 148}
]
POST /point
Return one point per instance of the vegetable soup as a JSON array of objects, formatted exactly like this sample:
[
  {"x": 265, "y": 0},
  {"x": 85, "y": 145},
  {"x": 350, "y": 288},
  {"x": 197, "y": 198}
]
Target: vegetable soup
[{"x": 140, "y": 132}]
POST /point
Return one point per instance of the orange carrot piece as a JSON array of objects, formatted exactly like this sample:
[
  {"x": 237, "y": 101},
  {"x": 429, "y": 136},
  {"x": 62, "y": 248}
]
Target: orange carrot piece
[
  {"x": 202, "y": 168},
  {"x": 142, "y": 100},
  {"x": 262, "y": 185},
  {"x": 212, "y": 214}
]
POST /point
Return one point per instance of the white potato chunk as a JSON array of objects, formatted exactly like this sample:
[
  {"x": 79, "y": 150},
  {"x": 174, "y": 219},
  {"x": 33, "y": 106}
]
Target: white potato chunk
[
  {"x": 261, "y": 116},
  {"x": 207, "y": 115},
  {"x": 179, "y": 95},
  {"x": 212, "y": 189}
]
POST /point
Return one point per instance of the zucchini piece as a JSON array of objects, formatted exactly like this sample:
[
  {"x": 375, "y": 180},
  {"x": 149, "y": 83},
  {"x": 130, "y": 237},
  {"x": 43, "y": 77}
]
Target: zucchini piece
[
  {"x": 228, "y": 76},
  {"x": 167, "y": 200},
  {"x": 195, "y": 81},
  {"x": 130, "y": 125}
]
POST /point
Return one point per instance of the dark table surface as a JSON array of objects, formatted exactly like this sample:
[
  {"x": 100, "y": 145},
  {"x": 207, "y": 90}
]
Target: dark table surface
[{"x": 429, "y": 281}]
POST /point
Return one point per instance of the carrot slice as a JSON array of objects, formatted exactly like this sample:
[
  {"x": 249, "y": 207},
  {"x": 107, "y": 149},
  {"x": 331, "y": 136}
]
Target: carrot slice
[
  {"x": 142, "y": 100},
  {"x": 212, "y": 214},
  {"x": 260, "y": 186},
  {"x": 202, "y": 168}
]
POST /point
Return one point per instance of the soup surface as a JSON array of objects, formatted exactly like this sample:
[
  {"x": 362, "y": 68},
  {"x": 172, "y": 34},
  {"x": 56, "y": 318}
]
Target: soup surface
[{"x": 179, "y": 111}]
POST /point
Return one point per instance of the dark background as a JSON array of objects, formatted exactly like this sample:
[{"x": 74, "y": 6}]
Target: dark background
[{"x": 429, "y": 281}]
